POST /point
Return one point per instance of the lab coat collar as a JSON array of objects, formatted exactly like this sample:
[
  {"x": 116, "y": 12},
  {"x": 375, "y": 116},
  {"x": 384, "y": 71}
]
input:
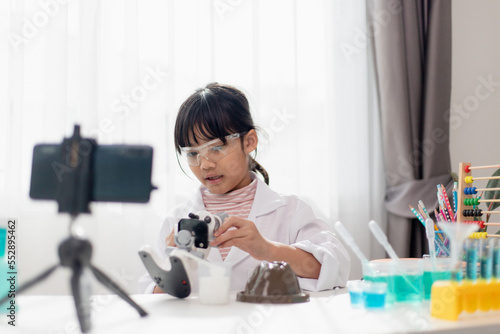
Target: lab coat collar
[{"x": 266, "y": 200}]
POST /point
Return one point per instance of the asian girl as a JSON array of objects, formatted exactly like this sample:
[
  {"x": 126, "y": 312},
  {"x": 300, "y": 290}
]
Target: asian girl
[{"x": 215, "y": 134}]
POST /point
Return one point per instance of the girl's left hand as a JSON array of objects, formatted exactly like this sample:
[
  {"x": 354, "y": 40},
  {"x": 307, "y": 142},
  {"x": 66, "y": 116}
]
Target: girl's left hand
[{"x": 245, "y": 236}]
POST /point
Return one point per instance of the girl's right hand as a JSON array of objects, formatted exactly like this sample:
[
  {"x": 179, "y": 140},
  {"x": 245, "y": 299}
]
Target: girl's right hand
[
  {"x": 157, "y": 289},
  {"x": 170, "y": 241}
]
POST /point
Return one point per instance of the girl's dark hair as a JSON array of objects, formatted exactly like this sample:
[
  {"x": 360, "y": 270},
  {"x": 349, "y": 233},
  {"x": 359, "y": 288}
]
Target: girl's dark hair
[{"x": 215, "y": 112}]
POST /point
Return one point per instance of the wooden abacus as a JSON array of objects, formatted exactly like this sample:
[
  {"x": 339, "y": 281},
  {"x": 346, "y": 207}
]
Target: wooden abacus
[
  {"x": 465, "y": 194},
  {"x": 449, "y": 299}
]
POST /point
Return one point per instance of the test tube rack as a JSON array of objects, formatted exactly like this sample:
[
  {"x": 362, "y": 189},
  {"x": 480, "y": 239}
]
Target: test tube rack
[{"x": 449, "y": 299}]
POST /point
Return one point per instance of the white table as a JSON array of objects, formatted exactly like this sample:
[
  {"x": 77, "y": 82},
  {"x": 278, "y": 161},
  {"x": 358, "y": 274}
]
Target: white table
[{"x": 326, "y": 312}]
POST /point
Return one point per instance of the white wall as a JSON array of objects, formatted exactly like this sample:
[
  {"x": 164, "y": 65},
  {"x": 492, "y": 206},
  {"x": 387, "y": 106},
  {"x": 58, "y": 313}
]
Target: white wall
[
  {"x": 475, "y": 94},
  {"x": 475, "y": 106}
]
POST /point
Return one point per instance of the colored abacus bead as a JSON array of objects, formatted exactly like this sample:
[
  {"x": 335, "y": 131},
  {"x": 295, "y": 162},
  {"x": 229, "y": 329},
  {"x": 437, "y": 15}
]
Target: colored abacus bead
[
  {"x": 470, "y": 191},
  {"x": 467, "y": 169},
  {"x": 478, "y": 235},
  {"x": 478, "y": 222},
  {"x": 473, "y": 213},
  {"x": 471, "y": 201},
  {"x": 468, "y": 179}
]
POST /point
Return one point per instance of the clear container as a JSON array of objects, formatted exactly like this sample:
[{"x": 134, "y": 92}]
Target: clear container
[
  {"x": 374, "y": 295},
  {"x": 409, "y": 281},
  {"x": 381, "y": 271},
  {"x": 439, "y": 271},
  {"x": 214, "y": 283},
  {"x": 355, "y": 289}
]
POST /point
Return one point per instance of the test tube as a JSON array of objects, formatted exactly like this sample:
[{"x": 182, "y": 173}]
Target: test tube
[
  {"x": 471, "y": 259},
  {"x": 486, "y": 263},
  {"x": 486, "y": 258},
  {"x": 496, "y": 260},
  {"x": 471, "y": 298},
  {"x": 496, "y": 273}
]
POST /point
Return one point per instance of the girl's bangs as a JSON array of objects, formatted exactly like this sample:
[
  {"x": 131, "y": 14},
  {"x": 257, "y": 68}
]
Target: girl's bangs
[{"x": 204, "y": 121}]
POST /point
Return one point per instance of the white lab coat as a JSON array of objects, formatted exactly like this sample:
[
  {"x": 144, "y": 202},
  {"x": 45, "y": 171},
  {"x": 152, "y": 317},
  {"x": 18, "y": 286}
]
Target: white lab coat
[{"x": 282, "y": 218}]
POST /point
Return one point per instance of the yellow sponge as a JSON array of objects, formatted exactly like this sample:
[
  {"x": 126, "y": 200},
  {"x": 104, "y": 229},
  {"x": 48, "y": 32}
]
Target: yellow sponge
[
  {"x": 446, "y": 300},
  {"x": 449, "y": 299}
]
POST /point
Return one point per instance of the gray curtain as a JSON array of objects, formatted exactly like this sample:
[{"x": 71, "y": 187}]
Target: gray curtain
[{"x": 412, "y": 58}]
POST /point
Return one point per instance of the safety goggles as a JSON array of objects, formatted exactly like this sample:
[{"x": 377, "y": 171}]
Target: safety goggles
[{"x": 213, "y": 151}]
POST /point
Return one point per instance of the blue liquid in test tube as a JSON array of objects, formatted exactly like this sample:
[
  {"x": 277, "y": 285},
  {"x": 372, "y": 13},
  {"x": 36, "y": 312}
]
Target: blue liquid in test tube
[
  {"x": 496, "y": 260},
  {"x": 487, "y": 259},
  {"x": 471, "y": 259}
]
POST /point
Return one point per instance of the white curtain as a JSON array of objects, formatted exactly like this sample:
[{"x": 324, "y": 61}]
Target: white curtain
[{"x": 121, "y": 69}]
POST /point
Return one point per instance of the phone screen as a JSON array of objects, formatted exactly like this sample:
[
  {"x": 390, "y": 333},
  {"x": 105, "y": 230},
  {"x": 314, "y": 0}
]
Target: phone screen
[{"x": 120, "y": 173}]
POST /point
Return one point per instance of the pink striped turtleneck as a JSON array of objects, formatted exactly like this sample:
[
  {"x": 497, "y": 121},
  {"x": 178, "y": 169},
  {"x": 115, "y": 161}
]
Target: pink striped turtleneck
[{"x": 236, "y": 203}]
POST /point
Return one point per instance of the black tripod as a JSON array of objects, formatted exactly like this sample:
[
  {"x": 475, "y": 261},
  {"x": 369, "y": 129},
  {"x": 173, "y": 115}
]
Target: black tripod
[
  {"x": 69, "y": 176},
  {"x": 75, "y": 253}
]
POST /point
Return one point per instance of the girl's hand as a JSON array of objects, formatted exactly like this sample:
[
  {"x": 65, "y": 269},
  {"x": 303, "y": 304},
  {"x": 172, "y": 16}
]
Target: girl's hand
[
  {"x": 157, "y": 289},
  {"x": 245, "y": 236},
  {"x": 170, "y": 241}
]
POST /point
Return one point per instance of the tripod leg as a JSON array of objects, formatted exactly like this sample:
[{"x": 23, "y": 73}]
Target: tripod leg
[
  {"x": 32, "y": 282},
  {"x": 106, "y": 281},
  {"x": 82, "y": 303}
]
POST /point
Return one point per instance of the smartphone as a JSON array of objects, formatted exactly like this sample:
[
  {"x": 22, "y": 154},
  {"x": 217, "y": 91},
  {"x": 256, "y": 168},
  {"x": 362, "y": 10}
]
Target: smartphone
[{"x": 119, "y": 173}]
